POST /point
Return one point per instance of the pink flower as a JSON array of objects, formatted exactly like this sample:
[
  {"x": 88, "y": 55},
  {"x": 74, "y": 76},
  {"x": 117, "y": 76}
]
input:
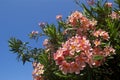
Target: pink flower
[
  {"x": 59, "y": 60},
  {"x": 81, "y": 60},
  {"x": 108, "y": 50},
  {"x": 92, "y": 24},
  {"x": 97, "y": 33},
  {"x": 90, "y": 2},
  {"x": 74, "y": 67},
  {"x": 38, "y": 71},
  {"x": 97, "y": 62},
  {"x": 42, "y": 24},
  {"x": 65, "y": 67},
  {"x": 97, "y": 42},
  {"x": 34, "y": 64},
  {"x": 72, "y": 56},
  {"x": 74, "y": 17},
  {"x": 34, "y": 32},
  {"x": 114, "y": 15},
  {"x": 108, "y": 4},
  {"x": 96, "y": 51},
  {"x": 45, "y": 43},
  {"x": 105, "y": 36},
  {"x": 101, "y": 33},
  {"x": 59, "y": 17},
  {"x": 38, "y": 78}
]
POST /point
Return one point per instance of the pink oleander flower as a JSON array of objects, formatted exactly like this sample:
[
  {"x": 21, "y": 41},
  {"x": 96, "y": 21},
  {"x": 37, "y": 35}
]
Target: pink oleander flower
[
  {"x": 91, "y": 2},
  {"x": 34, "y": 32},
  {"x": 46, "y": 42},
  {"x": 74, "y": 68},
  {"x": 97, "y": 62},
  {"x": 48, "y": 46},
  {"x": 73, "y": 55},
  {"x": 97, "y": 42},
  {"x": 65, "y": 67},
  {"x": 38, "y": 78},
  {"x": 114, "y": 15},
  {"x": 97, "y": 51},
  {"x": 42, "y": 24},
  {"x": 105, "y": 35},
  {"x": 34, "y": 64},
  {"x": 97, "y": 33},
  {"x": 59, "y": 17},
  {"x": 38, "y": 71},
  {"x": 77, "y": 51},
  {"x": 108, "y": 4},
  {"x": 92, "y": 23},
  {"x": 108, "y": 50},
  {"x": 76, "y": 19},
  {"x": 101, "y": 33}
]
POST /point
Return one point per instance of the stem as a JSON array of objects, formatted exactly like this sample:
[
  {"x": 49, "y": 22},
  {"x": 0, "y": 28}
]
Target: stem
[
  {"x": 119, "y": 6},
  {"x": 89, "y": 73}
]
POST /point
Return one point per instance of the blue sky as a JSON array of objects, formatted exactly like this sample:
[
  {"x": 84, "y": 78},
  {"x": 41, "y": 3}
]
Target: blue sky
[{"x": 17, "y": 19}]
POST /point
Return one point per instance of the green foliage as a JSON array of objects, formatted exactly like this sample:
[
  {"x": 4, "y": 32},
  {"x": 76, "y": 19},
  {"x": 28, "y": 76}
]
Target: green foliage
[
  {"x": 98, "y": 57},
  {"x": 24, "y": 52},
  {"x": 54, "y": 34}
]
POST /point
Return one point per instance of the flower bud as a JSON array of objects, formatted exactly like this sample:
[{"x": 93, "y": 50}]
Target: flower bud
[
  {"x": 59, "y": 17},
  {"x": 41, "y": 24},
  {"x": 108, "y": 4}
]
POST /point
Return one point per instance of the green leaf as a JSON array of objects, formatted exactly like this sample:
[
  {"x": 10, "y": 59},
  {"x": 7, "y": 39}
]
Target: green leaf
[
  {"x": 15, "y": 44},
  {"x": 43, "y": 58},
  {"x": 87, "y": 10},
  {"x": 58, "y": 73},
  {"x": 98, "y": 57}
]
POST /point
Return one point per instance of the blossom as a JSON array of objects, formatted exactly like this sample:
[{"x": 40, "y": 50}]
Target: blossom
[
  {"x": 97, "y": 42},
  {"x": 101, "y": 54},
  {"x": 108, "y": 4},
  {"x": 59, "y": 60},
  {"x": 42, "y": 24},
  {"x": 105, "y": 35},
  {"x": 114, "y": 15},
  {"x": 74, "y": 18},
  {"x": 34, "y": 33},
  {"x": 73, "y": 55},
  {"x": 97, "y": 33},
  {"x": 90, "y": 2},
  {"x": 38, "y": 78},
  {"x": 48, "y": 45},
  {"x": 92, "y": 23},
  {"x": 77, "y": 19},
  {"x": 108, "y": 50},
  {"x": 45, "y": 43},
  {"x": 59, "y": 17},
  {"x": 101, "y": 33},
  {"x": 74, "y": 67},
  {"x": 38, "y": 71},
  {"x": 65, "y": 67}
]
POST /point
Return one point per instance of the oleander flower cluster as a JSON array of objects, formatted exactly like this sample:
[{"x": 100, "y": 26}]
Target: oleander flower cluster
[
  {"x": 77, "y": 19},
  {"x": 73, "y": 55},
  {"x": 88, "y": 46},
  {"x": 38, "y": 71},
  {"x": 79, "y": 50}
]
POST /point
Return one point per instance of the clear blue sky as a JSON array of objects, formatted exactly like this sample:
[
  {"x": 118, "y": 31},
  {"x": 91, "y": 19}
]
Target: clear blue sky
[{"x": 17, "y": 19}]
